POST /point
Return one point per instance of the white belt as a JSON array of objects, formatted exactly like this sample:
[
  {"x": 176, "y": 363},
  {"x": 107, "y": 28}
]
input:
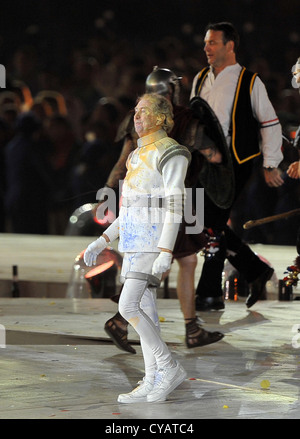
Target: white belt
[{"x": 142, "y": 202}]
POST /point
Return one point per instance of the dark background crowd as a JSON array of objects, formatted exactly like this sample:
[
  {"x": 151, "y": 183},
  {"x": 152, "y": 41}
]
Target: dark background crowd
[{"x": 75, "y": 68}]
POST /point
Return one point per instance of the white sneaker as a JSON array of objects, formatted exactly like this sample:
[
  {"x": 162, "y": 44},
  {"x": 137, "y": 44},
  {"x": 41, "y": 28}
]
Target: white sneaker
[
  {"x": 165, "y": 381},
  {"x": 139, "y": 394}
]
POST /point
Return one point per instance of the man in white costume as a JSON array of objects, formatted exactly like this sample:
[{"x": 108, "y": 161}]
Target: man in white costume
[
  {"x": 147, "y": 227},
  {"x": 197, "y": 129}
]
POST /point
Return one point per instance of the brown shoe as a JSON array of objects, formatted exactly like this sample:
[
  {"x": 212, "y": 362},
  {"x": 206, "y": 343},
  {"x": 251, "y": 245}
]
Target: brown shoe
[
  {"x": 197, "y": 336},
  {"x": 117, "y": 334}
]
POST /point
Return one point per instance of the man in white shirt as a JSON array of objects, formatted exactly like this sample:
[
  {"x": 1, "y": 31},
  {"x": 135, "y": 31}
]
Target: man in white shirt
[{"x": 251, "y": 127}]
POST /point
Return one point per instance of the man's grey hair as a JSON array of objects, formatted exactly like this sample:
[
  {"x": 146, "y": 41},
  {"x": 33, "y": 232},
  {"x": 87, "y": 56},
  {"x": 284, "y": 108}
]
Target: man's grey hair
[{"x": 161, "y": 106}]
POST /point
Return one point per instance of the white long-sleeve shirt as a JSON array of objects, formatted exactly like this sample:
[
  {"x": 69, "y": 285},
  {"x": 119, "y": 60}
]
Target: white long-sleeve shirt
[{"x": 219, "y": 92}]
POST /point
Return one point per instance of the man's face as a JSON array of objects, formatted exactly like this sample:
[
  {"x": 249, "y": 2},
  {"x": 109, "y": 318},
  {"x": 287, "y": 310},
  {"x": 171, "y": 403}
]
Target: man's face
[
  {"x": 216, "y": 51},
  {"x": 296, "y": 73},
  {"x": 145, "y": 121}
]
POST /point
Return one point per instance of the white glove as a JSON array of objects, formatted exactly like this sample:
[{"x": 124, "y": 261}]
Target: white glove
[
  {"x": 93, "y": 250},
  {"x": 162, "y": 263}
]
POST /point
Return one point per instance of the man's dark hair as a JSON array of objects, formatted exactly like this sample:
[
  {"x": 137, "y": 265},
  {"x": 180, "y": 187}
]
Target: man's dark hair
[{"x": 229, "y": 32}]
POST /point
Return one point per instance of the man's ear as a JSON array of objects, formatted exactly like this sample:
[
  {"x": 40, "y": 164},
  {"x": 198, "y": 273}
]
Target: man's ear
[
  {"x": 230, "y": 46},
  {"x": 159, "y": 120}
]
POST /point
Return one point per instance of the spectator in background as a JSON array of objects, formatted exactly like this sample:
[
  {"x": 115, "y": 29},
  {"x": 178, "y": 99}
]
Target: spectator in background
[
  {"x": 97, "y": 156},
  {"x": 10, "y": 107},
  {"x": 85, "y": 70},
  {"x": 28, "y": 179},
  {"x": 25, "y": 67},
  {"x": 63, "y": 157},
  {"x": 108, "y": 111}
]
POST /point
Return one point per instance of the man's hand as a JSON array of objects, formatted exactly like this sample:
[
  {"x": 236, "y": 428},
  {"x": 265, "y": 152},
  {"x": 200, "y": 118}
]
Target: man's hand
[
  {"x": 162, "y": 263},
  {"x": 212, "y": 155},
  {"x": 294, "y": 170},
  {"x": 273, "y": 177},
  {"x": 93, "y": 250}
]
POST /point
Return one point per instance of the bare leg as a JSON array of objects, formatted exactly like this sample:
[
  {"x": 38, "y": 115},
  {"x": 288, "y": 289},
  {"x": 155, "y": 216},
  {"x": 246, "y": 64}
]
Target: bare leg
[
  {"x": 195, "y": 334},
  {"x": 186, "y": 286},
  {"x": 116, "y": 329}
]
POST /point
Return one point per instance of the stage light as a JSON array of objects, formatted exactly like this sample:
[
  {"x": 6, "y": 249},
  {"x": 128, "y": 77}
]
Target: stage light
[{"x": 99, "y": 281}]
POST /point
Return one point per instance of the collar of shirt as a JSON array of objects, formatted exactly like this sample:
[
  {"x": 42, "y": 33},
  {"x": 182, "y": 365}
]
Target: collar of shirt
[
  {"x": 219, "y": 93},
  {"x": 228, "y": 70},
  {"x": 151, "y": 138}
]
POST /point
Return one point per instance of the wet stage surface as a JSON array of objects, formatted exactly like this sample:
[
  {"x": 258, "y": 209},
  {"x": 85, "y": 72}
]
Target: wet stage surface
[{"x": 58, "y": 363}]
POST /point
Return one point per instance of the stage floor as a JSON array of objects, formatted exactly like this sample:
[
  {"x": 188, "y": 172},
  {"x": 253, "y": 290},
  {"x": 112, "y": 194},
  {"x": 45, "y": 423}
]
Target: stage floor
[{"x": 57, "y": 362}]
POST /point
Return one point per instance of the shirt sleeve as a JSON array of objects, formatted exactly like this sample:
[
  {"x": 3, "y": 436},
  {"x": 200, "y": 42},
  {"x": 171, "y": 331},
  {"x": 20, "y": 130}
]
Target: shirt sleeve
[
  {"x": 112, "y": 232},
  {"x": 270, "y": 128},
  {"x": 173, "y": 173}
]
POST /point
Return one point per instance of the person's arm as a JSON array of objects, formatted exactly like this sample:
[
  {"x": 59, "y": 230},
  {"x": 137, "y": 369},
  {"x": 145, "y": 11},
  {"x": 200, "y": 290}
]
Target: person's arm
[
  {"x": 173, "y": 173},
  {"x": 97, "y": 246},
  {"x": 118, "y": 172},
  {"x": 270, "y": 131},
  {"x": 206, "y": 146},
  {"x": 212, "y": 155},
  {"x": 294, "y": 170}
]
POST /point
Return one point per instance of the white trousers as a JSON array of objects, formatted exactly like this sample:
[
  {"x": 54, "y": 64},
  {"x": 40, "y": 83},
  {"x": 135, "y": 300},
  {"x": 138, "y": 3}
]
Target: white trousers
[{"x": 137, "y": 305}]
